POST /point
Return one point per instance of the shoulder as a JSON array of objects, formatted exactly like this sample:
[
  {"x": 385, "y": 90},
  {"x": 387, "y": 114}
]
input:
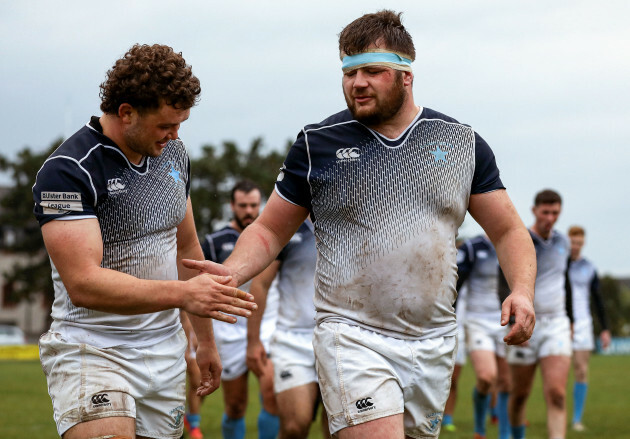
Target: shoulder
[
  {"x": 430, "y": 114},
  {"x": 223, "y": 235},
  {"x": 343, "y": 117}
]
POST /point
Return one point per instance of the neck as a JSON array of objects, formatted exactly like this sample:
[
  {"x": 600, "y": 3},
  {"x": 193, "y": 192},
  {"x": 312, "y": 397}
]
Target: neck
[
  {"x": 544, "y": 235},
  {"x": 395, "y": 126},
  {"x": 235, "y": 226},
  {"x": 112, "y": 128},
  {"x": 575, "y": 256}
]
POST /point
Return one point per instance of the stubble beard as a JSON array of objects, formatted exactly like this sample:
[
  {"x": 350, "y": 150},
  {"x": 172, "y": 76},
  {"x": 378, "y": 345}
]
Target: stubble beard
[{"x": 385, "y": 109}]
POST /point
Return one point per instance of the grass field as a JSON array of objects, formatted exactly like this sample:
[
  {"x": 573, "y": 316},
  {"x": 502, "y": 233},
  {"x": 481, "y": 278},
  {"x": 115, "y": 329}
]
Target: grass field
[{"x": 26, "y": 411}]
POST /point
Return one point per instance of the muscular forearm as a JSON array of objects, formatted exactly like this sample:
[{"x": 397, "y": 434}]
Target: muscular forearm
[
  {"x": 111, "y": 291},
  {"x": 255, "y": 249},
  {"x": 517, "y": 258}
]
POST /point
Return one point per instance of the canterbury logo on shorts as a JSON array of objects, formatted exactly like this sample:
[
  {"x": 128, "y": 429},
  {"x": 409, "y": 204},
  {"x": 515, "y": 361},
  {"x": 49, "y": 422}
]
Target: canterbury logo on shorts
[
  {"x": 100, "y": 400},
  {"x": 365, "y": 404}
]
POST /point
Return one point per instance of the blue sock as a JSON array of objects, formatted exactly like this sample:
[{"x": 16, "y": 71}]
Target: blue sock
[
  {"x": 502, "y": 414},
  {"x": 518, "y": 432},
  {"x": 232, "y": 428},
  {"x": 193, "y": 420},
  {"x": 493, "y": 408},
  {"x": 480, "y": 404},
  {"x": 447, "y": 420},
  {"x": 268, "y": 425},
  {"x": 579, "y": 397}
]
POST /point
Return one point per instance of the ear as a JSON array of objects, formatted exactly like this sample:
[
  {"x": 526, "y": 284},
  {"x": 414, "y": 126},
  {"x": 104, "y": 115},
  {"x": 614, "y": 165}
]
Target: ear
[
  {"x": 126, "y": 113},
  {"x": 407, "y": 78}
]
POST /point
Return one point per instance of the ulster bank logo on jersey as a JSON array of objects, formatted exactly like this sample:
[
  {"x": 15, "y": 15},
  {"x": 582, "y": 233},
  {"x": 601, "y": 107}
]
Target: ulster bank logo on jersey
[{"x": 348, "y": 154}]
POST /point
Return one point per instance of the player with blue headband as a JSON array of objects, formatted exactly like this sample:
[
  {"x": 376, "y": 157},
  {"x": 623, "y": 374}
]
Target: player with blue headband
[{"x": 387, "y": 183}]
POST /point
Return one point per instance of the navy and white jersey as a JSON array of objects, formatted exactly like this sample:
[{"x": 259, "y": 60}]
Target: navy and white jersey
[
  {"x": 138, "y": 208},
  {"x": 217, "y": 247},
  {"x": 584, "y": 287},
  {"x": 552, "y": 292},
  {"x": 478, "y": 268},
  {"x": 296, "y": 281},
  {"x": 386, "y": 213}
]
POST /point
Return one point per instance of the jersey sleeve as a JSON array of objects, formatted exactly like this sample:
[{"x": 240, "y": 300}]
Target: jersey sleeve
[
  {"x": 598, "y": 301},
  {"x": 486, "y": 177},
  {"x": 465, "y": 262},
  {"x": 63, "y": 190},
  {"x": 292, "y": 183},
  {"x": 207, "y": 246}
]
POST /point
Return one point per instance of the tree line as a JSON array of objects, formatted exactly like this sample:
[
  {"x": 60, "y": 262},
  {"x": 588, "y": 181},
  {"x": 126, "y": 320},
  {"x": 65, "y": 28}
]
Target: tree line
[{"x": 213, "y": 173}]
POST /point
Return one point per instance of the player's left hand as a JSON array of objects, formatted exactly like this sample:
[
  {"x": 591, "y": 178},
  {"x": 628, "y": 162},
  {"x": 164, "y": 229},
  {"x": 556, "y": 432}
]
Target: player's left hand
[
  {"x": 210, "y": 366},
  {"x": 256, "y": 357},
  {"x": 519, "y": 305}
]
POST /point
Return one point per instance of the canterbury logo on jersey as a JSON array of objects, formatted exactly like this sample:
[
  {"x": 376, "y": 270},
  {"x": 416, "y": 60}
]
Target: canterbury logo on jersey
[
  {"x": 100, "y": 400},
  {"x": 364, "y": 404},
  {"x": 346, "y": 154},
  {"x": 114, "y": 185}
]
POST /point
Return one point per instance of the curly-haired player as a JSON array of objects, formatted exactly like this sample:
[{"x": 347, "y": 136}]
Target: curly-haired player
[{"x": 116, "y": 218}]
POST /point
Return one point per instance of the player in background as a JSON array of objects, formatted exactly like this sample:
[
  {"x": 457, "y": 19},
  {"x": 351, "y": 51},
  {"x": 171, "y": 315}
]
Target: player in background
[
  {"x": 387, "y": 184},
  {"x": 116, "y": 218},
  {"x": 460, "y": 359},
  {"x": 585, "y": 287},
  {"x": 295, "y": 377},
  {"x": 478, "y": 269},
  {"x": 550, "y": 344},
  {"x": 231, "y": 340}
]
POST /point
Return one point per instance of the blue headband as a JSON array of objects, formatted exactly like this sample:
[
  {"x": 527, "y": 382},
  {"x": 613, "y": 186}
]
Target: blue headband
[{"x": 387, "y": 59}]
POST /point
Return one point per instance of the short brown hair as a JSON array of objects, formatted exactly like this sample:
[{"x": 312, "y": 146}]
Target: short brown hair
[
  {"x": 245, "y": 186},
  {"x": 576, "y": 231},
  {"x": 370, "y": 28},
  {"x": 547, "y": 196},
  {"x": 146, "y": 76}
]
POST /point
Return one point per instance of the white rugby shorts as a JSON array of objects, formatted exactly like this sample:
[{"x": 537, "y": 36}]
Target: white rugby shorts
[
  {"x": 234, "y": 357},
  {"x": 485, "y": 335},
  {"x": 293, "y": 359},
  {"x": 552, "y": 336},
  {"x": 460, "y": 358},
  {"x": 87, "y": 383},
  {"x": 364, "y": 376},
  {"x": 583, "y": 339}
]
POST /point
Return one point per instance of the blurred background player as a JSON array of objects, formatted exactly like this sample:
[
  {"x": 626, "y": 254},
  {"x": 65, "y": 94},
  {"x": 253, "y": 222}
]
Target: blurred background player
[
  {"x": 478, "y": 268},
  {"x": 585, "y": 287},
  {"x": 460, "y": 360},
  {"x": 550, "y": 344},
  {"x": 232, "y": 339},
  {"x": 295, "y": 377}
]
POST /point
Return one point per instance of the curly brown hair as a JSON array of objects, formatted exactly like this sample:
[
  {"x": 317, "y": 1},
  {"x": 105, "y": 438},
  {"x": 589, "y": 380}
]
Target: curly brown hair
[
  {"x": 368, "y": 29},
  {"x": 146, "y": 76}
]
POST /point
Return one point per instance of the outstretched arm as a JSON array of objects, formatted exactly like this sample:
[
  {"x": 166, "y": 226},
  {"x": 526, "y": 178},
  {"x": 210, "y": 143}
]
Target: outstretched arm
[
  {"x": 260, "y": 242},
  {"x": 495, "y": 212}
]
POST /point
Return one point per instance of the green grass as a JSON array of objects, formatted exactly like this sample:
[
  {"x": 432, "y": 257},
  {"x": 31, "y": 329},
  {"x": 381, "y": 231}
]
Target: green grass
[{"x": 26, "y": 411}]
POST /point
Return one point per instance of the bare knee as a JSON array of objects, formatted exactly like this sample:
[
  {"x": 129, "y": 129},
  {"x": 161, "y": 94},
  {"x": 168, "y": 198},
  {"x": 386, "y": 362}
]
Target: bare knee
[
  {"x": 556, "y": 396},
  {"x": 294, "y": 429},
  {"x": 484, "y": 382}
]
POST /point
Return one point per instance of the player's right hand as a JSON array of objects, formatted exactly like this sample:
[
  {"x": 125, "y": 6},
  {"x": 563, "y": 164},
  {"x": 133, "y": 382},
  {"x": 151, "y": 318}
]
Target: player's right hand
[
  {"x": 211, "y": 296},
  {"x": 522, "y": 308}
]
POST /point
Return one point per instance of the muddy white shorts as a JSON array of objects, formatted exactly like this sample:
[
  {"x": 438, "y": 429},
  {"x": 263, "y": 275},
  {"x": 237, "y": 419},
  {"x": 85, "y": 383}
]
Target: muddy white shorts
[
  {"x": 87, "y": 383},
  {"x": 485, "y": 335},
  {"x": 552, "y": 336},
  {"x": 233, "y": 355},
  {"x": 365, "y": 376},
  {"x": 583, "y": 339},
  {"x": 460, "y": 358},
  {"x": 293, "y": 359}
]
